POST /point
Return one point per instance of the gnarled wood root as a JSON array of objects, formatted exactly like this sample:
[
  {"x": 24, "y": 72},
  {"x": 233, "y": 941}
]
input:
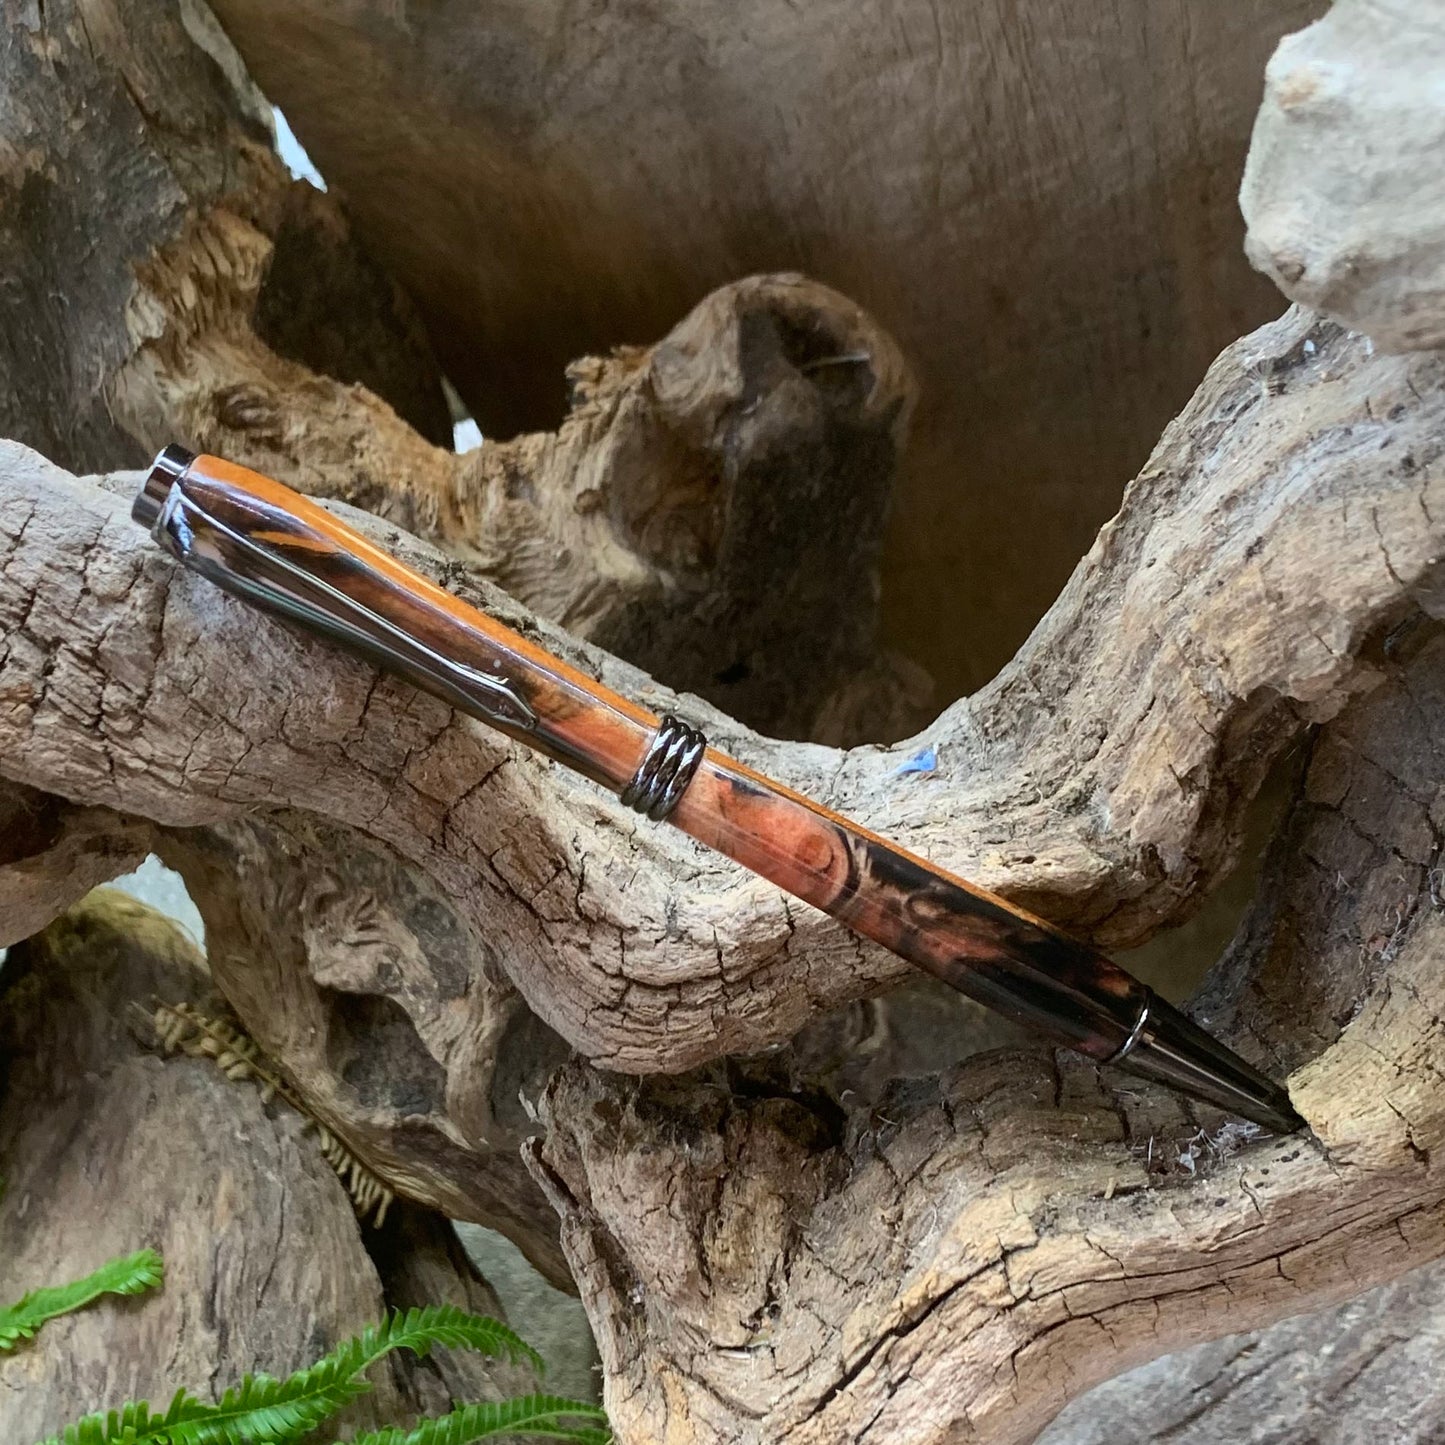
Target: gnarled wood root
[{"x": 1101, "y": 780}]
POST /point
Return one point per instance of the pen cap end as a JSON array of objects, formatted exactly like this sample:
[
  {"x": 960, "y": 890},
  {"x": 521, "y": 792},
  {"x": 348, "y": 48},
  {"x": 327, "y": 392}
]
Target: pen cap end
[{"x": 167, "y": 469}]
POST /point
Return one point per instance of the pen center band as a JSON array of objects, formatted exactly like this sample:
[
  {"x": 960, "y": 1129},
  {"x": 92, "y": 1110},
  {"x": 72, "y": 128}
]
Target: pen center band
[{"x": 666, "y": 769}]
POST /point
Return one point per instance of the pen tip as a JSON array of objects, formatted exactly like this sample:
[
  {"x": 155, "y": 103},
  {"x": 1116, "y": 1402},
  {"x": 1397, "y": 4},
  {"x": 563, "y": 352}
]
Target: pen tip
[{"x": 1176, "y": 1051}]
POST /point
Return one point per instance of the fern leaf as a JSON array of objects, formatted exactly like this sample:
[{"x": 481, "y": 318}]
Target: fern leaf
[
  {"x": 131, "y": 1275},
  {"x": 266, "y": 1411},
  {"x": 540, "y": 1416}
]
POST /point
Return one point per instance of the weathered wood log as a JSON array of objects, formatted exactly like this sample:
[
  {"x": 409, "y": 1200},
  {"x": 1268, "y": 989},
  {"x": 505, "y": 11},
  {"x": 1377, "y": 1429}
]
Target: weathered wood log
[
  {"x": 1038, "y": 200},
  {"x": 962, "y": 1261},
  {"x": 109, "y": 1148},
  {"x": 694, "y": 512},
  {"x": 1344, "y": 190},
  {"x": 1302, "y": 444},
  {"x": 1099, "y": 780}
]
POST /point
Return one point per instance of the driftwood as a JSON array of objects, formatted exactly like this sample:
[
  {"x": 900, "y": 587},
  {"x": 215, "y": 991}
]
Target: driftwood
[
  {"x": 109, "y": 1148},
  {"x": 448, "y": 946},
  {"x": 1365, "y": 1370},
  {"x": 1127, "y": 795},
  {"x": 1343, "y": 191},
  {"x": 1235, "y": 507},
  {"x": 1036, "y": 199}
]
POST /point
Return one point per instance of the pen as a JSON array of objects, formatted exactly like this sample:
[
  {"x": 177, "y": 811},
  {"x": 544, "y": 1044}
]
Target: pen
[{"x": 262, "y": 542}]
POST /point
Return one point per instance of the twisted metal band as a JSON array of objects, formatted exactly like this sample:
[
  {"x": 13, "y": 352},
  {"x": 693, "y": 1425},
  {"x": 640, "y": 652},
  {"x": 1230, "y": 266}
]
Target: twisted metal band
[{"x": 666, "y": 769}]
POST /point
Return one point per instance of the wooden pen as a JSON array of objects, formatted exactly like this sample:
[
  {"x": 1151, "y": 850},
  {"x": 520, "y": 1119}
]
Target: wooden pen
[{"x": 276, "y": 549}]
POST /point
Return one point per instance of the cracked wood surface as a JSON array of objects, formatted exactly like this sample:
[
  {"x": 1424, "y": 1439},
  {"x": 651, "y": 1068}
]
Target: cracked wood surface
[
  {"x": 959, "y": 1262},
  {"x": 130, "y": 1150},
  {"x": 1364, "y": 1370},
  {"x": 1099, "y": 780}
]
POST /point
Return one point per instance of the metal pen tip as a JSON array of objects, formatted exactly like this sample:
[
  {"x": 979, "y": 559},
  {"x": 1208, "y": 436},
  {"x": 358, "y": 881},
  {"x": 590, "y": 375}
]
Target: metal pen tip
[{"x": 1170, "y": 1048}]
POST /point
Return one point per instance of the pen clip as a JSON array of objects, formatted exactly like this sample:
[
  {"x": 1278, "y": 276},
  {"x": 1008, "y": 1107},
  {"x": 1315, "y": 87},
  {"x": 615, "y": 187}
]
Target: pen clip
[{"x": 209, "y": 547}]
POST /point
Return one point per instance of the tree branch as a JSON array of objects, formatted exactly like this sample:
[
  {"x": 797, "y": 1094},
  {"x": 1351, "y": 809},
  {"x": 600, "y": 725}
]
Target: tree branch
[
  {"x": 1100, "y": 779},
  {"x": 984, "y": 1246}
]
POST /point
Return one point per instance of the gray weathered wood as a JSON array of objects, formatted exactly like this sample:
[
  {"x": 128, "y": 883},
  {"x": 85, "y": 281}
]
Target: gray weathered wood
[
  {"x": 109, "y": 1148},
  {"x": 1196, "y": 640},
  {"x": 960, "y": 1260},
  {"x": 1366, "y": 1370}
]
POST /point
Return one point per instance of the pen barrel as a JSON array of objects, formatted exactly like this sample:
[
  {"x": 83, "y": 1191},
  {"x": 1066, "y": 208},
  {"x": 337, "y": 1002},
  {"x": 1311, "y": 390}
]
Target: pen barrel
[
  {"x": 265, "y": 543},
  {"x": 973, "y": 940}
]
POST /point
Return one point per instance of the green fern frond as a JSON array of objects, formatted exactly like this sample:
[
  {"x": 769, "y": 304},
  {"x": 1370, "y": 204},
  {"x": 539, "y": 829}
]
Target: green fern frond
[
  {"x": 266, "y": 1411},
  {"x": 540, "y": 1416},
  {"x": 131, "y": 1275}
]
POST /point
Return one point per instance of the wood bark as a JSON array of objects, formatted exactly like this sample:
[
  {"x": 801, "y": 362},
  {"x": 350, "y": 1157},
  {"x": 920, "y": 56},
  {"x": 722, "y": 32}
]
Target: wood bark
[
  {"x": 1037, "y": 199},
  {"x": 109, "y": 1148}
]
